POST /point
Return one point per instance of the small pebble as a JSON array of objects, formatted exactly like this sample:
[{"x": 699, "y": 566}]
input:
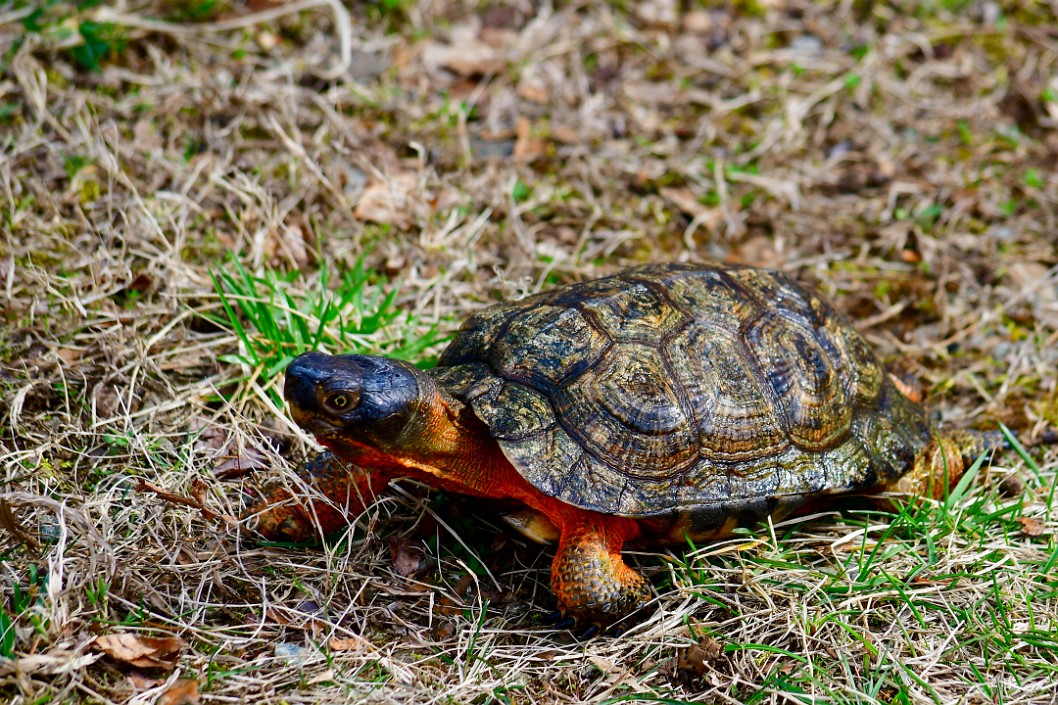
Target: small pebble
[
  {"x": 1012, "y": 486},
  {"x": 293, "y": 654}
]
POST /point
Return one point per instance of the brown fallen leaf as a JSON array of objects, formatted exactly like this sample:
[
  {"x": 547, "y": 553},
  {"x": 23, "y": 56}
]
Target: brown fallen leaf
[
  {"x": 469, "y": 58},
  {"x": 69, "y": 356},
  {"x": 287, "y": 245},
  {"x": 389, "y": 202},
  {"x": 1031, "y": 526},
  {"x": 1012, "y": 486},
  {"x": 683, "y": 198},
  {"x": 140, "y": 681},
  {"x": 696, "y": 657},
  {"x": 527, "y": 147},
  {"x": 212, "y": 436},
  {"x": 350, "y": 644},
  {"x": 182, "y": 692},
  {"x": 141, "y": 651},
  {"x": 248, "y": 460},
  {"x": 406, "y": 557}
]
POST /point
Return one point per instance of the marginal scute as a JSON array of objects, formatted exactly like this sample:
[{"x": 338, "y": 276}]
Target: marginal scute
[
  {"x": 514, "y": 411},
  {"x": 549, "y": 460},
  {"x": 694, "y": 397}
]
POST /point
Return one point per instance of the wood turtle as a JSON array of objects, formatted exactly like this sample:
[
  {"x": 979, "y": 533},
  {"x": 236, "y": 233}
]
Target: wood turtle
[{"x": 667, "y": 403}]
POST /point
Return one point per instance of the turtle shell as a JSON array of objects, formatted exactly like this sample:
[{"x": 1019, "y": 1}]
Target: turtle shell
[{"x": 702, "y": 392}]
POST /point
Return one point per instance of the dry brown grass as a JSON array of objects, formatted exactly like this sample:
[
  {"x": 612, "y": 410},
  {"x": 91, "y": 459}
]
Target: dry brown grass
[{"x": 901, "y": 155}]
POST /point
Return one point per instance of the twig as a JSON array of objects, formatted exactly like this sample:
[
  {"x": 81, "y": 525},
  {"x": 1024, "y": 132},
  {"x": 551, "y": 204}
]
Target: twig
[{"x": 198, "y": 502}]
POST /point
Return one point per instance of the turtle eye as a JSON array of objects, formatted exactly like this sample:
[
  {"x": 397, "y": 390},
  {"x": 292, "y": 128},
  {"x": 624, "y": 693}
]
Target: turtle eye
[{"x": 342, "y": 401}]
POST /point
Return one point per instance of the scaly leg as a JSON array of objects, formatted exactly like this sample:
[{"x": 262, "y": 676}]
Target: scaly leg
[
  {"x": 944, "y": 462},
  {"x": 338, "y": 489},
  {"x": 589, "y": 577}
]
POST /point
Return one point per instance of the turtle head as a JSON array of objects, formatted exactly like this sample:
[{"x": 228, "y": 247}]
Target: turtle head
[{"x": 353, "y": 400}]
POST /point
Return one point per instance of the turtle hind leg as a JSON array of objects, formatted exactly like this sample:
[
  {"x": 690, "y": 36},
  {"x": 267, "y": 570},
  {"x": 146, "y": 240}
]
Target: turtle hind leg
[
  {"x": 944, "y": 461},
  {"x": 590, "y": 579}
]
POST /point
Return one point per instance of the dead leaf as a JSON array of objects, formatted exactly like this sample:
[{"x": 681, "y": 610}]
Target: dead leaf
[
  {"x": 213, "y": 437},
  {"x": 141, "y": 651},
  {"x": 697, "y": 22},
  {"x": 198, "y": 491},
  {"x": 287, "y": 244},
  {"x": 110, "y": 401},
  {"x": 182, "y": 692},
  {"x": 248, "y": 460},
  {"x": 350, "y": 644},
  {"x": 69, "y": 356},
  {"x": 661, "y": 13},
  {"x": 1029, "y": 277},
  {"x": 469, "y": 58},
  {"x": 53, "y": 663},
  {"x": 697, "y": 657},
  {"x": 388, "y": 202},
  {"x": 277, "y": 617},
  {"x": 758, "y": 250},
  {"x": 684, "y": 199},
  {"x": 146, "y": 136},
  {"x": 267, "y": 40},
  {"x": 405, "y": 556},
  {"x": 603, "y": 664},
  {"x": 1012, "y": 486},
  {"x": 534, "y": 92},
  {"x": 141, "y": 681},
  {"x": 527, "y": 147},
  {"x": 1031, "y": 526},
  {"x": 443, "y": 630}
]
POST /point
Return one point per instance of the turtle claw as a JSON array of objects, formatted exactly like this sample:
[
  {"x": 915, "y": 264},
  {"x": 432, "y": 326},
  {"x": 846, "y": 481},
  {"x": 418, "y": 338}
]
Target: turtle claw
[
  {"x": 560, "y": 621},
  {"x": 554, "y": 617},
  {"x": 591, "y": 632}
]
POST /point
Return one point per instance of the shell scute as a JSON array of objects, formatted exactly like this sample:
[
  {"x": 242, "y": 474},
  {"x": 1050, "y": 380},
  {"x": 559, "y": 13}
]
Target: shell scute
[
  {"x": 627, "y": 412},
  {"x": 804, "y": 377},
  {"x": 736, "y": 419},
  {"x": 543, "y": 345},
  {"x": 634, "y": 311}
]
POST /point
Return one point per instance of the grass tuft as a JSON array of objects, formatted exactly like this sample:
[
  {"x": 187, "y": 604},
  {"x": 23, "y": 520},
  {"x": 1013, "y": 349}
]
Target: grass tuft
[{"x": 275, "y": 317}]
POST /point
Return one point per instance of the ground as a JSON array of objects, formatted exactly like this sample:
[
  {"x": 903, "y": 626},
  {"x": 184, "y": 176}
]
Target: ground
[{"x": 194, "y": 191}]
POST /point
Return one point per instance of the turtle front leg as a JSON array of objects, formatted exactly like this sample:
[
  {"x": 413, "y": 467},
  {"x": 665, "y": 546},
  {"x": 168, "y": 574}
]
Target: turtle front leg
[
  {"x": 336, "y": 490},
  {"x": 589, "y": 577}
]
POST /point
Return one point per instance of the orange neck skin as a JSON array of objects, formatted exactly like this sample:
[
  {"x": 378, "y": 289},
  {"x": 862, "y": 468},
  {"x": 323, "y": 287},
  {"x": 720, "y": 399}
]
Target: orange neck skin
[{"x": 445, "y": 445}]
